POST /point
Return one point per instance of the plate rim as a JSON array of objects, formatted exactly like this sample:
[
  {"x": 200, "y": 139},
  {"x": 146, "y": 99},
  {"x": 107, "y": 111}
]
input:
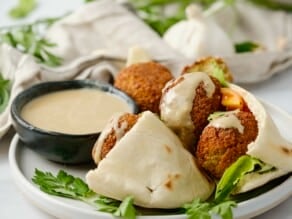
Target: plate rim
[{"x": 250, "y": 208}]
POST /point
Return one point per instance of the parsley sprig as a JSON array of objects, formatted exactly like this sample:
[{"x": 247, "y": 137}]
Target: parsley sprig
[
  {"x": 204, "y": 210},
  {"x": 23, "y": 8},
  {"x": 68, "y": 186},
  {"x": 28, "y": 39},
  {"x": 246, "y": 46},
  {"x": 4, "y": 93}
]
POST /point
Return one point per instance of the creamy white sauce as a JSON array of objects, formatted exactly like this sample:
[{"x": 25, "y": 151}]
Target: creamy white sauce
[
  {"x": 176, "y": 104},
  {"x": 228, "y": 120},
  {"x": 76, "y": 111}
]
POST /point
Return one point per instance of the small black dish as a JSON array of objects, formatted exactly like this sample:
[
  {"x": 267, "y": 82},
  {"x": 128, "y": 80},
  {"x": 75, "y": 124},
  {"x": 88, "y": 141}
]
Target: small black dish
[{"x": 54, "y": 146}]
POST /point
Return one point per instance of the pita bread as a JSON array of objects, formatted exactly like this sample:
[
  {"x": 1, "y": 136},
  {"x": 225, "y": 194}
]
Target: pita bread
[
  {"x": 269, "y": 146},
  {"x": 149, "y": 163}
]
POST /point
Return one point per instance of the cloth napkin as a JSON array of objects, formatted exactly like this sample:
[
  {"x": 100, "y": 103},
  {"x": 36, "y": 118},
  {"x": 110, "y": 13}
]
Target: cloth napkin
[
  {"x": 107, "y": 25},
  {"x": 94, "y": 42},
  {"x": 272, "y": 29}
]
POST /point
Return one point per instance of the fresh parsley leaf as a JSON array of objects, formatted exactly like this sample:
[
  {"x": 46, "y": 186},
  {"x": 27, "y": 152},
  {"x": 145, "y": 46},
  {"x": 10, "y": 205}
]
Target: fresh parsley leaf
[
  {"x": 204, "y": 210},
  {"x": 68, "y": 186},
  {"x": 217, "y": 72},
  {"x": 215, "y": 115},
  {"x": 197, "y": 209},
  {"x": 106, "y": 204},
  {"x": 24, "y": 8},
  {"x": 246, "y": 46},
  {"x": 63, "y": 185},
  {"x": 232, "y": 175},
  {"x": 28, "y": 39},
  {"x": 224, "y": 209},
  {"x": 4, "y": 93},
  {"x": 126, "y": 209}
]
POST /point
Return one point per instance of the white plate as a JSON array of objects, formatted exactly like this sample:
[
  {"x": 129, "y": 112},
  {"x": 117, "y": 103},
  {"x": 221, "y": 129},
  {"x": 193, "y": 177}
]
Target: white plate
[{"x": 23, "y": 162}]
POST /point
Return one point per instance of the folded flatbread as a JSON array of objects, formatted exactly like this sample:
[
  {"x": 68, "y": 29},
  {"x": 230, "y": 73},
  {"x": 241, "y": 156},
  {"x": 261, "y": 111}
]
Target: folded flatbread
[
  {"x": 149, "y": 163},
  {"x": 269, "y": 146}
]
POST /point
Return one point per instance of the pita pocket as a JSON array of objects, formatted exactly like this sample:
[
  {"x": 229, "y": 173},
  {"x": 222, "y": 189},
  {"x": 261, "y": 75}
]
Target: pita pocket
[
  {"x": 148, "y": 162},
  {"x": 258, "y": 157},
  {"x": 269, "y": 146}
]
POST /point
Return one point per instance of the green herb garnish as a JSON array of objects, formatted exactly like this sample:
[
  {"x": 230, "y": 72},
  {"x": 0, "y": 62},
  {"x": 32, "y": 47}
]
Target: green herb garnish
[
  {"x": 68, "y": 186},
  {"x": 246, "y": 46},
  {"x": 215, "y": 115},
  {"x": 23, "y": 8},
  {"x": 28, "y": 39},
  {"x": 204, "y": 210},
  {"x": 126, "y": 209},
  {"x": 4, "y": 93},
  {"x": 217, "y": 72}
]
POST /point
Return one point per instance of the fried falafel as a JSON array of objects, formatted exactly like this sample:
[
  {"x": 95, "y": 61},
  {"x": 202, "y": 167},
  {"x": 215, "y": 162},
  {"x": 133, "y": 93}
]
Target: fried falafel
[
  {"x": 144, "y": 83},
  {"x": 117, "y": 128},
  {"x": 207, "y": 65},
  {"x": 186, "y": 104},
  {"x": 224, "y": 140}
]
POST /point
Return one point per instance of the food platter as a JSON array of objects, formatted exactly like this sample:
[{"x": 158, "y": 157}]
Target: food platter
[{"x": 23, "y": 162}]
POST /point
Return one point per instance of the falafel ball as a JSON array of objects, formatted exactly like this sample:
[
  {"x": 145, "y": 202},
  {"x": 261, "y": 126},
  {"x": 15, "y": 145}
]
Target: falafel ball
[
  {"x": 115, "y": 130},
  {"x": 144, "y": 83},
  {"x": 207, "y": 65},
  {"x": 186, "y": 104},
  {"x": 224, "y": 140}
]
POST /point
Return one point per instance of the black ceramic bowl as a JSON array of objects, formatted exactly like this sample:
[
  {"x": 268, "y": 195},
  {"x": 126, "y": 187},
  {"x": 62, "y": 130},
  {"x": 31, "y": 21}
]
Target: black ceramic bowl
[{"x": 59, "y": 147}]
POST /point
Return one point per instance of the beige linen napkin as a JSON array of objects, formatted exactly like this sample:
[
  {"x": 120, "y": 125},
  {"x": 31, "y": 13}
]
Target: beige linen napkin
[
  {"x": 93, "y": 41},
  {"x": 272, "y": 29},
  {"x": 108, "y": 26}
]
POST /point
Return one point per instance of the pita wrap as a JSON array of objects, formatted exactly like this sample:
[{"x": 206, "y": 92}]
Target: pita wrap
[
  {"x": 149, "y": 163},
  {"x": 269, "y": 146}
]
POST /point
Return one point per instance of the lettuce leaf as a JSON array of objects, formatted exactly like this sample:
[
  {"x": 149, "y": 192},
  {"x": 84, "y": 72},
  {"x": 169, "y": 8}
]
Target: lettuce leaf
[{"x": 234, "y": 174}]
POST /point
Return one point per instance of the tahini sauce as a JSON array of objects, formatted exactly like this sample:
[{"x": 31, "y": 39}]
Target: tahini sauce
[
  {"x": 229, "y": 120},
  {"x": 177, "y": 103},
  {"x": 76, "y": 111}
]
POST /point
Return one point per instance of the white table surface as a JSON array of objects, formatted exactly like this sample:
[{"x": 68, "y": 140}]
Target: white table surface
[{"x": 277, "y": 90}]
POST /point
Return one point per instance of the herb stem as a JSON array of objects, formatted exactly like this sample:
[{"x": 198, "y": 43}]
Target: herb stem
[{"x": 43, "y": 21}]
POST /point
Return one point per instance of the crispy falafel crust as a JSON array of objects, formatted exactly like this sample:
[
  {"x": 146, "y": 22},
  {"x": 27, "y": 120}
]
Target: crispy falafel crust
[
  {"x": 111, "y": 139},
  {"x": 203, "y": 106},
  {"x": 218, "y": 148},
  {"x": 144, "y": 83},
  {"x": 203, "y": 65}
]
